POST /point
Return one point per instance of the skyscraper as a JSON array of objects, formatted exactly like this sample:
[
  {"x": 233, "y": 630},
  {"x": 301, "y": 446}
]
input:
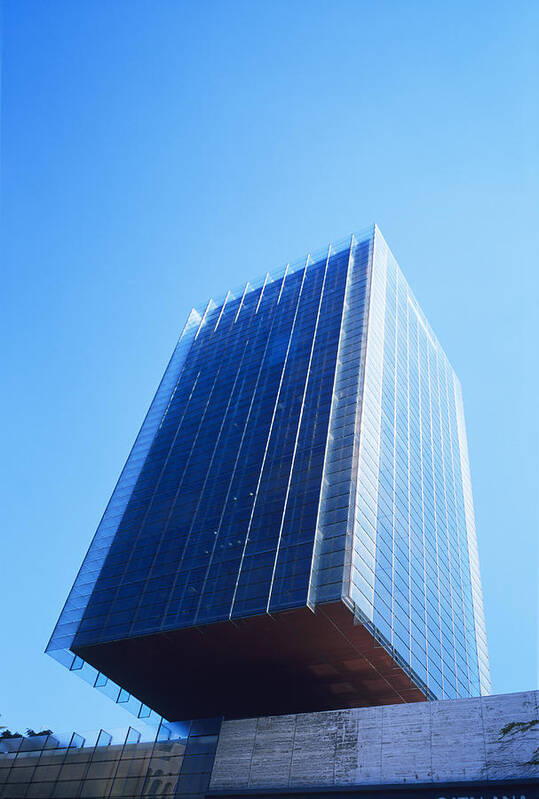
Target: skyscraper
[{"x": 293, "y": 529}]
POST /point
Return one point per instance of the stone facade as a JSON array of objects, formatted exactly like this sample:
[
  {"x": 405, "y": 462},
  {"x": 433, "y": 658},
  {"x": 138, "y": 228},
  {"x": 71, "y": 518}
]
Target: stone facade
[{"x": 430, "y": 742}]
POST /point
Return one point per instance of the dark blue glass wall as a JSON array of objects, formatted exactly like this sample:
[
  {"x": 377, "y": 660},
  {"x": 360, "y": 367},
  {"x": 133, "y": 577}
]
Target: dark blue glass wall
[{"x": 222, "y": 519}]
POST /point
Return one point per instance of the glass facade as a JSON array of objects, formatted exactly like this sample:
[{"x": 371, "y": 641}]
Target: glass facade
[
  {"x": 306, "y": 445},
  {"x": 414, "y": 569},
  {"x": 177, "y": 761}
]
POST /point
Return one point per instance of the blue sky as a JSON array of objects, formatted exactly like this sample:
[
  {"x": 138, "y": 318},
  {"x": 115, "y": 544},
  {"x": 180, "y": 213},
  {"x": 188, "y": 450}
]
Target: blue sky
[{"x": 154, "y": 153}]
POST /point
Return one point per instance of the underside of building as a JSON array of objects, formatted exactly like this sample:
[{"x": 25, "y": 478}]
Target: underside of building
[{"x": 296, "y": 661}]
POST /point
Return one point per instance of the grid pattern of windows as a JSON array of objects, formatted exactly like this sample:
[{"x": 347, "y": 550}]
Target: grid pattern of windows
[
  {"x": 306, "y": 445},
  {"x": 178, "y": 762},
  {"x": 414, "y": 570},
  {"x": 332, "y": 553},
  {"x": 221, "y": 521}
]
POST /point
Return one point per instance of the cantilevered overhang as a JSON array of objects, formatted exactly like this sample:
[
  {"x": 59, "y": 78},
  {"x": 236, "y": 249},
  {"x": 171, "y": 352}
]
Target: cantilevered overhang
[{"x": 292, "y": 662}]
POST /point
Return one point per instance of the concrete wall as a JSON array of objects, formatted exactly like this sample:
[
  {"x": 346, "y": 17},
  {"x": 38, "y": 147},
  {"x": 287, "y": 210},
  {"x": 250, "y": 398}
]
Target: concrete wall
[{"x": 445, "y": 741}]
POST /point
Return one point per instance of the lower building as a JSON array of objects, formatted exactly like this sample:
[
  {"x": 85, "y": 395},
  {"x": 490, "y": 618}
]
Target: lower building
[{"x": 434, "y": 750}]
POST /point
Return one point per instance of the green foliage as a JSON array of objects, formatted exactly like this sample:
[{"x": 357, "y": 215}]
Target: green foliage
[
  {"x": 5, "y": 734},
  {"x": 518, "y": 726},
  {"x": 514, "y": 727}
]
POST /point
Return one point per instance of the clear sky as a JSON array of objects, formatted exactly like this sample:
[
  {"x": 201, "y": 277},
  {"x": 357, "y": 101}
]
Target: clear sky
[{"x": 156, "y": 152}]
